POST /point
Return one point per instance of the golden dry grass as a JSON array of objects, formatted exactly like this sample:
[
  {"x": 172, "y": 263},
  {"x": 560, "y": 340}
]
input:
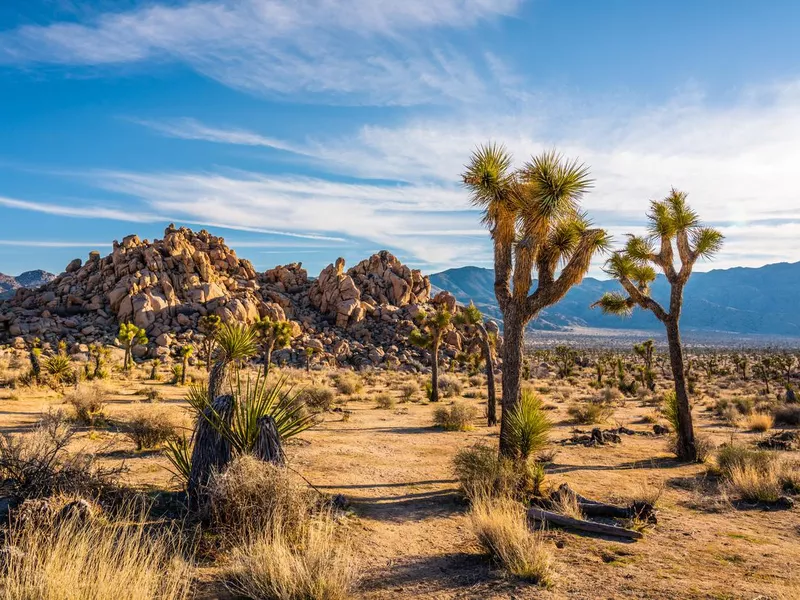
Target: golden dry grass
[
  {"x": 502, "y": 531},
  {"x": 96, "y": 560}
]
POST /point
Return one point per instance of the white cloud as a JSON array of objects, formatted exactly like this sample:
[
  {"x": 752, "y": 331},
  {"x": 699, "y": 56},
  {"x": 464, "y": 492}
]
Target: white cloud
[
  {"x": 52, "y": 244},
  {"x": 356, "y": 50}
]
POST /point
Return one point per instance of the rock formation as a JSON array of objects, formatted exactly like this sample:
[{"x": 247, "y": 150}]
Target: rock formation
[{"x": 360, "y": 317}]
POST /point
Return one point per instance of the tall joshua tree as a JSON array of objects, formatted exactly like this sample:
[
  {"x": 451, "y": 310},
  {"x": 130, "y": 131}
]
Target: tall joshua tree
[
  {"x": 271, "y": 335},
  {"x": 671, "y": 223},
  {"x": 535, "y": 222},
  {"x": 429, "y": 335},
  {"x": 471, "y": 316}
]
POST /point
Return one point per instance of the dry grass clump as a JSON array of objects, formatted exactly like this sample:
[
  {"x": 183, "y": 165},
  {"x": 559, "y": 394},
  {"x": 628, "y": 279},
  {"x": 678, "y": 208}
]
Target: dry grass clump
[
  {"x": 384, "y": 400},
  {"x": 253, "y": 494},
  {"x": 88, "y": 402},
  {"x": 318, "y": 566},
  {"x": 590, "y": 412},
  {"x": 150, "y": 427},
  {"x": 284, "y": 545},
  {"x": 318, "y": 398},
  {"x": 457, "y": 417},
  {"x": 450, "y": 386},
  {"x": 408, "y": 391},
  {"x": 483, "y": 473},
  {"x": 787, "y": 415},
  {"x": 759, "y": 422},
  {"x": 502, "y": 531},
  {"x": 347, "y": 383},
  {"x": 95, "y": 560},
  {"x": 756, "y": 475},
  {"x": 38, "y": 465},
  {"x": 733, "y": 409}
]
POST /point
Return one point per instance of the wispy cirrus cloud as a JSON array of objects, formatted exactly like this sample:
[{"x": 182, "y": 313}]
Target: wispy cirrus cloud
[
  {"x": 52, "y": 244},
  {"x": 358, "y": 51}
]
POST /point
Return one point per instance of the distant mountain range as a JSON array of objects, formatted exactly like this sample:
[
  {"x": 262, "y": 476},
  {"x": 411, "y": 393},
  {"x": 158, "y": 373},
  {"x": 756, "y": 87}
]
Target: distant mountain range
[
  {"x": 30, "y": 279},
  {"x": 764, "y": 300}
]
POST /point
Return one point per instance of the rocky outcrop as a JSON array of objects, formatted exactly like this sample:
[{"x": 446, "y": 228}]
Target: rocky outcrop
[{"x": 362, "y": 316}]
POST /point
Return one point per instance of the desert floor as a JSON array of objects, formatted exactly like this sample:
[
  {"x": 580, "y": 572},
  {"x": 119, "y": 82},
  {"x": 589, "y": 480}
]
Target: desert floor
[{"x": 412, "y": 531}]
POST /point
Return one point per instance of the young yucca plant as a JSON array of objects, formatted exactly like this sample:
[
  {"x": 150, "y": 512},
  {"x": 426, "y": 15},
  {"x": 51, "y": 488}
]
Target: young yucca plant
[
  {"x": 253, "y": 400},
  {"x": 179, "y": 454},
  {"x": 59, "y": 369},
  {"x": 528, "y": 425},
  {"x": 670, "y": 409}
]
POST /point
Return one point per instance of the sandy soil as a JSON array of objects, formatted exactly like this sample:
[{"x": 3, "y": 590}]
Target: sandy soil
[{"x": 412, "y": 533}]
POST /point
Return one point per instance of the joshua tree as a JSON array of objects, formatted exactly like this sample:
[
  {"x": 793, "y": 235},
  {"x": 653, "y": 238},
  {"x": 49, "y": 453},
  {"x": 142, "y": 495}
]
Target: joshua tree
[
  {"x": 534, "y": 219},
  {"x": 272, "y": 334},
  {"x": 236, "y": 343},
  {"x": 99, "y": 354},
  {"x": 471, "y": 316},
  {"x": 565, "y": 361},
  {"x": 186, "y": 352},
  {"x": 310, "y": 350},
  {"x": 645, "y": 352},
  {"x": 209, "y": 325},
  {"x": 429, "y": 335},
  {"x": 670, "y": 220},
  {"x": 129, "y": 336}
]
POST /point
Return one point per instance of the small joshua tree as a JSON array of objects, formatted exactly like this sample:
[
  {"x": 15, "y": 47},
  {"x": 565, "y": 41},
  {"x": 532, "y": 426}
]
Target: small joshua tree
[
  {"x": 99, "y": 355},
  {"x": 129, "y": 336},
  {"x": 310, "y": 351},
  {"x": 645, "y": 351},
  {"x": 471, "y": 316},
  {"x": 534, "y": 218},
  {"x": 186, "y": 352},
  {"x": 209, "y": 326},
  {"x": 670, "y": 221},
  {"x": 429, "y": 335},
  {"x": 271, "y": 335}
]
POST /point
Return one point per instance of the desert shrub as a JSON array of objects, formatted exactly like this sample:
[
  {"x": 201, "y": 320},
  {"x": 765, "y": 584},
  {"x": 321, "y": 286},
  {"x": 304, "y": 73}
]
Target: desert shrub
[
  {"x": 590, "y": 412},
  {"x": 732, "y": 409},
  {"x": 528, "y": 426},
  {"x": 609, "y": 395},
  {"x": 384, "y": 400},
  {"x": 704, "y": 445},
  {"x": 348, "y": 383},
  {"x": 450, "y": 386},
  {"x": 251, "y": 494},
  {"x": 88, "y": 403},
  {"x": 759, "y": 422},
  {"x": 787, "y": 415},
  {"x": 150, "y": 394},
  {"x": 753, "y": 484},
  {"x": 408, "y": 391},
  {"x": 477, "y": 381},
  {"x": 38, "y": 464},
  {"x": 456, "y": 417},
  {"x": 317, "y": 566},
  {"x": 95, "y": 559},
  {"x": 737, "y": 456},
  {"x": 318, "y": 398},
  {"x": 482, "y": 472},
  {"x": 149, "y": 428},
  {"x": 502, "y": 531}
]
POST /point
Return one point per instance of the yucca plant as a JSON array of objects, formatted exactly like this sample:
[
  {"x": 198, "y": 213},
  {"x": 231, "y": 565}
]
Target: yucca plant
[
  {"x": 470, "y": 316},
  {"x": 534, "y": 218},
  {"x": 674, "y": 229},
  {"x": 670, "y": 409},
  {"x": 179, "y": 453},
  {"x": 429, "y": 335},
  {"x": 528, "y": 426},
  {"x": 253, "y": 400},
  {"x": 59, "y": 370},
  {"x": 236, "y": 343},
  {"x": 129, "y": 336}
]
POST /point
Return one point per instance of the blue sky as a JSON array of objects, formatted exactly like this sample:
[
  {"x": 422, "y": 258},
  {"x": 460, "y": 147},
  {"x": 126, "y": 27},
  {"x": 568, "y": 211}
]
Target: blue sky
[{"x": 303, "y": 130}]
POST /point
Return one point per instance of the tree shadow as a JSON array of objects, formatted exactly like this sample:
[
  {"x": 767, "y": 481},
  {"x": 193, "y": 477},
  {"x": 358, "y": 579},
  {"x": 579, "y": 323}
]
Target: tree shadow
[
  {"x": 429, "y": 574},
  {"x": 415, "y": 506}
]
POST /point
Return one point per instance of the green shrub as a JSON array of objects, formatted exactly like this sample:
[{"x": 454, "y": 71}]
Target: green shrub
[
  {"x": 149, "y": 428},
  {"x": 318, "y": 398},
  {"x": 348, "y": 383},
  {"x": 590, "y": 412},
  {"x": 457, "y": 417},
  {"x": 528, "y": 426},
  {"x": 88, "y": 403},
  {"x": 450, "y": 386},
  {"x": 482, "y": 472}
]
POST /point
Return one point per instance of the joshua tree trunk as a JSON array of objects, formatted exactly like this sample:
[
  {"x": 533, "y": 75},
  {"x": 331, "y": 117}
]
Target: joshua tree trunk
[
  {"x": 267, "y": 359},
  {"x": 491, "y": 405},
  {"x": 216, "y": 378},
  {"x": 435, "y": 369},
  {"x": 513, "y": 332},
  {"x": 184, "y": 368},
  {"x": 686, "y": 445},
  {"x": 211, "y": 450},
  {"x": 126, "y": 361}
]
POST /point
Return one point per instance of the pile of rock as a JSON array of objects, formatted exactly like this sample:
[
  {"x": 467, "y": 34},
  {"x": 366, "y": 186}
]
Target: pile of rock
[{"x": 360, "y": 317}]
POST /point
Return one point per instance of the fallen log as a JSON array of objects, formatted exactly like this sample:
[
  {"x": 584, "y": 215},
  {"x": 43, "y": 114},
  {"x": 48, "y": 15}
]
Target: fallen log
[
  {"x": 546, "y": 516},
  {"x": 594, "y": 508}
]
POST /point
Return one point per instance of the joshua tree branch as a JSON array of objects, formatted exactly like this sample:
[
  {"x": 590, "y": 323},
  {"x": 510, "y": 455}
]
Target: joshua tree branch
[{"x": 643, "y": 300}]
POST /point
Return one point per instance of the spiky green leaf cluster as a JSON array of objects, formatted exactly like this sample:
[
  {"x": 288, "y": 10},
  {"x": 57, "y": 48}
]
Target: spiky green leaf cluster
[
  {"x": 236, "y": 341},
  {"x": 528, "y": 425}
]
